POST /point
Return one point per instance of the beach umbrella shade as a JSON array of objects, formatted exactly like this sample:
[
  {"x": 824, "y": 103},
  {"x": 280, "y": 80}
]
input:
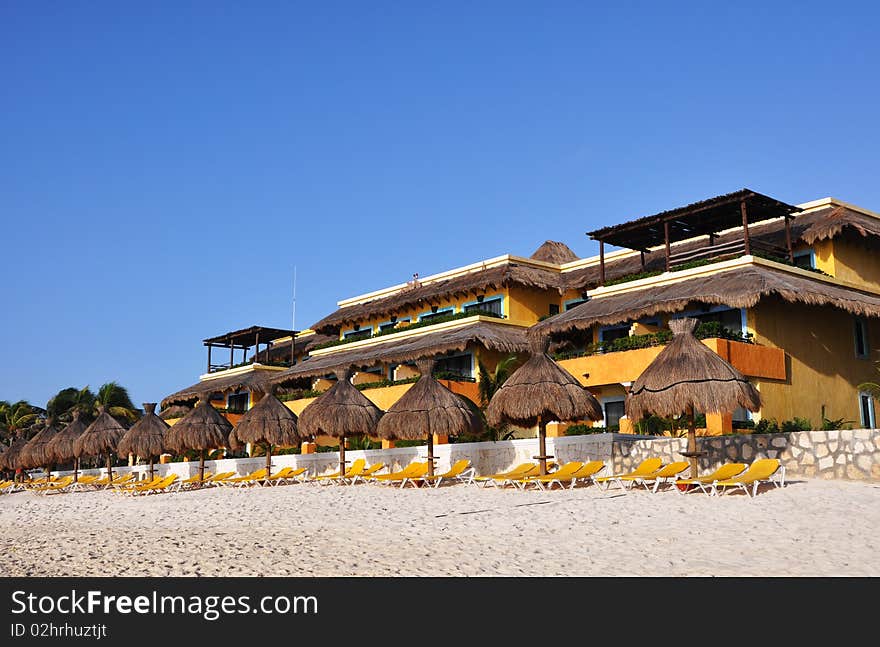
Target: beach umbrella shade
[
  {"x": 11, "y": 458},
  {"x": 36, "y": 452},
  {"x": 268, "y": 423},
  {"x": 146, "y": 438},
  {"x": 428, "y": 408},
  {"x": 540, "y": 391},
  {"x": 687, "y": 377},
  {"x": 341, "y": 411},
  {"x": 100, "y": 438},
  {"x": 174, "y": 411},
  {"x": 60, "y": 448},
  {"x": 202, "y": 429}
]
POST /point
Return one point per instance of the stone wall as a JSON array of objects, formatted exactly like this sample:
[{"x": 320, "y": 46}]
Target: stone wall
[{"x": 839, "y": 454}]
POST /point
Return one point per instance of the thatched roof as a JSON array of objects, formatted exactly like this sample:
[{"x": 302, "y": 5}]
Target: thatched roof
[
  {"x": 100, "y": 437},
  {"x": 686, "y": 374},
  {"x": 61, "y": 447},
  {"x": 541, "y": 388},
  {"x": 426, "y": 408},
  {"x": 268, "y": 422},
  {"x": 740, "y": 287},
  {"x": 494, "y": 336},
  {"x": 280, "y": 352},
  {"x": 147, "y": 437},
  {"x": 202, "y": 428},
  {"x": 254, "y": 380},
  {"x": 834, "y": 221},
  {"x": 341, "y": 410},
  {"x": 11, "y": 458},
  {"x": 770, "y": 232},
  {"x": 35, "y": 453},
  {"x": 174, "y": 411},
  {"x": 554, "y": 252},
  {"x": 427, "y": 294}
]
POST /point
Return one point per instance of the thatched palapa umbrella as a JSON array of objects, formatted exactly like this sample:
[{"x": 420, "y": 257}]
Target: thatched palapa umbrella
[
  {"x": 203, "y": 428},
  {"x": 36, "y": 453},
  {"x": 428, "y": 408},
  {"x": 687, "y": 377},
  {"x": 100, "y": 439},
  {"x": 269, "y": 423},
  {"x": 539, "y": 391},
  {"x": 11, "y": 458},
  {"x": 61, "y": 447},
  {"x": 146, "y": 437},
  {"x": 340, "y": 411}
]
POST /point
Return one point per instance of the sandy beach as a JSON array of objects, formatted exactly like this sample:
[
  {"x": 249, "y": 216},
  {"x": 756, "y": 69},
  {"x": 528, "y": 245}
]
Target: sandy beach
[{"x": 809, "y": 528}]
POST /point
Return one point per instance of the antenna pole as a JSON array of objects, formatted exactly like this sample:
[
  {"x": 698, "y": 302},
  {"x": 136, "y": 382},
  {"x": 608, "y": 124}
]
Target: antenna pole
[{"x": 293, "y": 327}]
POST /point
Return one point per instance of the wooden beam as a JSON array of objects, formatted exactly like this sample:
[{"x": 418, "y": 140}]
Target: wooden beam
[
  {"x": 257, "y": 351},
  {"x": 601, "y": 263},
  {"x": 231, "y": 352},
  {"x": 666, "y": 236},
  {"x": 788, "y": 239},
  {"x": 642, "y": 257},
  {"x": 209, "y": 358},
  {"x": 745, "y": 217}
]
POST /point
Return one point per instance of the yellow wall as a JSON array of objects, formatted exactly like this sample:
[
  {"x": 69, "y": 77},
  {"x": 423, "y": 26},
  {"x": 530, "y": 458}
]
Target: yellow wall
[
  {"x": 855, "y": 261},
  {"x": 823, "y": 368},
  {"x": 530, "y": 304}
]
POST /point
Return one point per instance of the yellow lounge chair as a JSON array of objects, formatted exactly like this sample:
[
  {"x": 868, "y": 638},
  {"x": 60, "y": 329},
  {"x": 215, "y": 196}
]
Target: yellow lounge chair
[
  {"x": 645, "y": 468},
  {"x": 414, "y": 470},
  {"x": 355, "y": 468},
  {"x": 217, "y": 478},
  {"x": 284, "y": 475},
  {"x": 665, "y": 474},
  {"x": 368, "y": 472},
  {"x": 54, "y": 486},
  {"x": 587, "y": 474},
  {"x": 153, "y": 488},
  {"x": 192, "y": 482},
  {"x": 761, "y": 471},
  {"x": 726, "y": 471},
  {"x": 460, "y": 471},
  {"x": 501, "y": 478},
  {"x": 565, "y": 471},
  {"x": 105, "y": 482},
  {"x": 235, "y": 480},
  {"x": 122, "y": 487}
]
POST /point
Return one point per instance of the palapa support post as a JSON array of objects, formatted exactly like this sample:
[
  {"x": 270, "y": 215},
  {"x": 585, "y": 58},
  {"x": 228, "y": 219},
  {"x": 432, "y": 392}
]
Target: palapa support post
[
  {"x": 201, "y": 465},
  {"x": 430, "y": 454},
  {"x": 542, "y": 445},
  {"x": 692, "y": 442},
  {"x": 75, "y": 469},
  {"x": 747, "y": 244},
  {"x": 268, "y": 459},
  {"x": 342, "y": 455},
  {"x": 151, "y": 468},
  {"x": 109, "y": 469}
]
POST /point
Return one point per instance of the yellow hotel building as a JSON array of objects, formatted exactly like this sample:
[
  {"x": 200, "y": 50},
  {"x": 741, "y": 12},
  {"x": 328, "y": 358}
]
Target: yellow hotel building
[{"x": 788, "y": 294}]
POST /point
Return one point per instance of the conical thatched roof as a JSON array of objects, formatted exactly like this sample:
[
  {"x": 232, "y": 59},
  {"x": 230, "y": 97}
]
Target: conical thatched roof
[
  {"x": 11, "y": 458},
  {"x": 174, "y": 411},
  {"x": 688, "y": 374},
  {"x": 147, "y": 437},
  {"x": 554, "y": 252},
  {"x": 340, "y": 411},
  {"x": 100, "y": 437},
  {"x": 541, "y": 388},
  {"x": 35, "y": 453},
  {"x": 60, "y": 448},
  {"x": 428, "y": 408},
  {"x": 202, "y": 428},
  {"x": 268, "y": 422}
]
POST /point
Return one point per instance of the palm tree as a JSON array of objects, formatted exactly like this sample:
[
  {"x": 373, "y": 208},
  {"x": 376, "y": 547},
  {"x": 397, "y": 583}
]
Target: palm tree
[
  {"x": 66, "y": 401},
  {"x": 489, "y": 383},
  {"x": 116, "y": 401},
  {"x": 16, "y": 417}
]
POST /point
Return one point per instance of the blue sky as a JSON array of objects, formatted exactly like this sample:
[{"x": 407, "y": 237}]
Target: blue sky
[{"x": 166, "y": 165}]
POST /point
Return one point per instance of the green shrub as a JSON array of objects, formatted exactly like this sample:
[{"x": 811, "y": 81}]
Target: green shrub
[
  {"x": 583, "y": 430},
  {"x": 796, "y": 424},
  {"x": 767, "y": 426}
]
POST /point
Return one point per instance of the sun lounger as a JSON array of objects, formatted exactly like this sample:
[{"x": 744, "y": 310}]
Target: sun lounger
[
  {"x": 645, "y": 468},
  {"x": 665, "y": 474},
  {"x": 153, "y": 488},
  {"x": 704, "y": 483},
  {"x": 123, "y": 487},
  {"x": 192, "y": 482},
  {"x": 412, "y": 471},
  {"x": 53, "y": 486},
  {"x": 565, "y": 471},
  {"x": 355, "y": 468},
  {"x": 368, "y": 472},
  {"x": 501, "y": 478},
  {"x": 761, "y": 471},
  {"x": 236, "y": 480},
  {"x": 460, "y": 471},
  {"x": 217, "y": 478}
]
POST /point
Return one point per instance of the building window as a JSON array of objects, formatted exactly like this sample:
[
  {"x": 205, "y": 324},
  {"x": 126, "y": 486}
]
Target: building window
[
  {"x": 554, "y": 309},
  {"x": 568, "y": 305},
  {"x": 805, "y": 258},
  {"x": 614, "y": 411},
  {"x": 390, "y": 325},
  {"x": 489, "y": 305},
  {"x": 613, "y": 332},
  {"x": 860, "y": 332},
  {"x": 237, "y": 402},
  {"x": 354, "y": 335},
  {"x": 434, "y": 315},
  {"x": 460, "y": 365},
  {"x": 866, "y": 406}
]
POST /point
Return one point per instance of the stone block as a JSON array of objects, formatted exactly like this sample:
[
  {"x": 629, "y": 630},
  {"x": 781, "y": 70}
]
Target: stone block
[
  {"x": 833, "y": 445},
  {"x": 875, "y": 471},
  {"x": 826, "y": 463},
  {"x": 796, "y": 452},
  {"x": 854, "y": 474},
  {"x": 803, "y": 440},
  {"x": 864, "y": 463},
  {"x": 863, "y": 434},
  {"x": 840, "y": 460},
  {"x": 808, "y": 459},
  {"x": 818, "y": 436},
  {"x": 748, "y": 452},
  {"x": 732, "y": 452},
  {"x": 821, "y": 450},
  {"x": 809, "y": 471},
  {"x": 779, "y": 442}
]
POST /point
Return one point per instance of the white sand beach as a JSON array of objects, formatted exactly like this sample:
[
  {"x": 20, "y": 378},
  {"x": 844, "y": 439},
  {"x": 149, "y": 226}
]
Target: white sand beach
[{"x": 809, "y": 528}]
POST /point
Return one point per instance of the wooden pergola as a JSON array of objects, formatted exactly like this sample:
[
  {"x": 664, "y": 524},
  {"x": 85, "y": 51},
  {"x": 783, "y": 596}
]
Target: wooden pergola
[
  {"x": 244, "y": 340},
  {"x": 705, "y": 218}
]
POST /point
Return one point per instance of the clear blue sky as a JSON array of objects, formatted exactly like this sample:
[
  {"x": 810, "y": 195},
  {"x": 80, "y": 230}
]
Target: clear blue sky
[{"x": 165, "y": 166}]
